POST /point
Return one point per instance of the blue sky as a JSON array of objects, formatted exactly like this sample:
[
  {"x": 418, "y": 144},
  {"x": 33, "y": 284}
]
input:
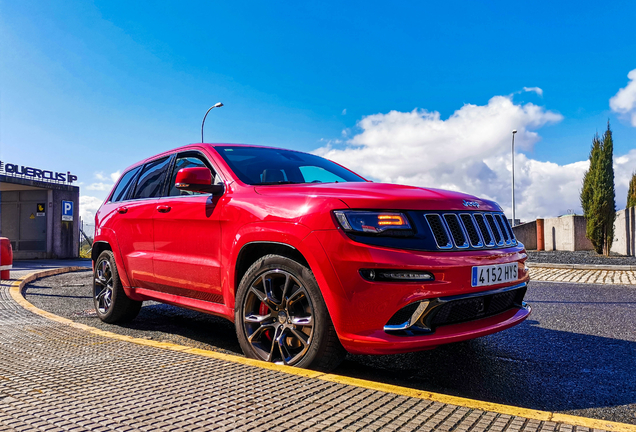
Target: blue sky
[{"x": 94, "y": 87}]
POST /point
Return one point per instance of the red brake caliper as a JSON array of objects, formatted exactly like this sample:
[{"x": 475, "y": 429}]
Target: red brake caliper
[{"x": 264, "y": 310}]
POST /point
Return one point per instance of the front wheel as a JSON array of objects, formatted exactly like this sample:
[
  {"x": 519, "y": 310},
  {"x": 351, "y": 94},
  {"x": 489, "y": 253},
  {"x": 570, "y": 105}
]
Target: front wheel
[
  {"x": 281, "y": 316},
  {"x": 111, "y": 302}
]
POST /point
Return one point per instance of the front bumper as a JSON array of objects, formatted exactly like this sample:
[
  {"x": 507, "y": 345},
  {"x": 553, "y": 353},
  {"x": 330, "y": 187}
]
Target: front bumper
[{"x": 363, "y": 310}]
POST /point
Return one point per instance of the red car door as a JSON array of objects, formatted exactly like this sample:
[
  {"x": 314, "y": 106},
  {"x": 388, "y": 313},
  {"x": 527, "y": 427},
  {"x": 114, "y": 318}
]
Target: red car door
[
  {"x": 187, "y": 258},
  {"x": 133, "y": 225}
]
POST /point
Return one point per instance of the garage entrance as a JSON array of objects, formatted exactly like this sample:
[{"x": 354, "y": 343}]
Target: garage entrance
[{"x": 22, "y": 222}]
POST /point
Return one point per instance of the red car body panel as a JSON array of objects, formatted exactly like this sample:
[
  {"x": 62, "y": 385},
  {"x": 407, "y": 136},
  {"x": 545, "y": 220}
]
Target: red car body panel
[{"x": 184, "y": 251}]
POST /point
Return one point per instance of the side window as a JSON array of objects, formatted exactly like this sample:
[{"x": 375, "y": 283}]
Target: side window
[
  {"x": 125, "y": 184},
  {"x": 186, "y": 161},
  {"x": 151, "y": 179}
]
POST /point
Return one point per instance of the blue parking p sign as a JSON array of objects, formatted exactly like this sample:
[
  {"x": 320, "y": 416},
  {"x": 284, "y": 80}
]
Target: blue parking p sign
[{"x": 67, "y": 211}]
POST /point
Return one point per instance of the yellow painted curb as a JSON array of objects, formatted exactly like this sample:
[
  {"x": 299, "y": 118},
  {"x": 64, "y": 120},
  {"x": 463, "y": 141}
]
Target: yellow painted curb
[{"x": 17, "y": 288}]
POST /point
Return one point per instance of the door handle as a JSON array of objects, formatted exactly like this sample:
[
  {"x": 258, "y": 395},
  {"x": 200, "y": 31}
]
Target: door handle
[
  {"x": 163, "y": 208},
  {"x": 122, "y": 210}
]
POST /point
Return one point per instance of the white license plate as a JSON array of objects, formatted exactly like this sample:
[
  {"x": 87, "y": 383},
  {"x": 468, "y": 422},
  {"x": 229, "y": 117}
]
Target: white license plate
[{"x": 494, "y": 274}]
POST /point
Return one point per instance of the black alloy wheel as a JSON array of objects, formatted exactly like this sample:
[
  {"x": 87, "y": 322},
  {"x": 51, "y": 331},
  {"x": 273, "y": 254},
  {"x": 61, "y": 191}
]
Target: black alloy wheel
[
  {"x": 278, "y": 317},
  {"x": 111, "y": 302},
  {"x": 281, "y": 316}
]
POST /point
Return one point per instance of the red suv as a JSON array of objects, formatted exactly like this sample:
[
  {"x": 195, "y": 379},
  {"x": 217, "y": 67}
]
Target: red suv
[{"x": 306, "y": 257}]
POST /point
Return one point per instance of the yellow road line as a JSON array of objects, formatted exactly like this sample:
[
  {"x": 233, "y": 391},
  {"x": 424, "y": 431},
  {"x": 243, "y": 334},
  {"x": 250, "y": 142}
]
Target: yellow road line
[{"x": 18, "y": 286}]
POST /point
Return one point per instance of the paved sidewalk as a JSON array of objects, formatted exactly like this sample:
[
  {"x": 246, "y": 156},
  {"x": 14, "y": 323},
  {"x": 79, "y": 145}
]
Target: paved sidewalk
[
  {"x": 55, "y": 376},
  {"x": 582, "y": 275}
]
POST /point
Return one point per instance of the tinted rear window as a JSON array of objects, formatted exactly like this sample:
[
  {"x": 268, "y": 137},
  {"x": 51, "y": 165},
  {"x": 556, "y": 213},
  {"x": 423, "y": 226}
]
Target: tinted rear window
[
  {"x": 152, "y": 179},
  {"x": 124, "y": 185},
  {"x": 259, "y": 165}
]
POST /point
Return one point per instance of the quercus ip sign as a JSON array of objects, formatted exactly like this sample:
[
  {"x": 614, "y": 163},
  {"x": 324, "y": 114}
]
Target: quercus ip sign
[
  {"x": 36, "y": 174},
  {"x": 307, "y": 258}
]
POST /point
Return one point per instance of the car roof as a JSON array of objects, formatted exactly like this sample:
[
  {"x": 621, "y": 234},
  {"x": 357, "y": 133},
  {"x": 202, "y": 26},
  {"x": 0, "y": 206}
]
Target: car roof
[{"x": 199, "y": 145}]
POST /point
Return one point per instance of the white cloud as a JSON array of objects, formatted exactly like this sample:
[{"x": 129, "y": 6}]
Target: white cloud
[
  {"x": 88, "y": 205},
  {"x": 537, "y": 90},
  {"x": 470, "y": 152},
  {"x": 99, "y": 186},
  {"x": 100, "y": 176},
  {"x": 624, "y": 102},
  {"x": 344, "y": 111}
]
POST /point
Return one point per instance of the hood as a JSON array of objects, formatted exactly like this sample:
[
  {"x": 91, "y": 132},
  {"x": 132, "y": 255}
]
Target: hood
[{"x": 383, "y": 196}]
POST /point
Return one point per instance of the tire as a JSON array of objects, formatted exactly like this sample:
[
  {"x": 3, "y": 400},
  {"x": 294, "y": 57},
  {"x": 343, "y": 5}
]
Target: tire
[
  {"x": 111, "y": 302},
  {"x": 281, "y": 316}
]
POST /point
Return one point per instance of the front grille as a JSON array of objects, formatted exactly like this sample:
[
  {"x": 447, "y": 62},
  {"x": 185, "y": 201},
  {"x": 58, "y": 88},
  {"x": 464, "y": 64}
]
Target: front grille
[
  {"x": 469, "y": 309},
  {"x": 470, "y": 230}
]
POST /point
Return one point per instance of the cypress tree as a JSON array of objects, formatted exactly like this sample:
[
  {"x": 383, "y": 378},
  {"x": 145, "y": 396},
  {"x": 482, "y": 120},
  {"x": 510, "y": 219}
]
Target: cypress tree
[
  {"x": 631, "y": 192},
  {"x": 607, "y": 194},
  {"x": 588, "y": 177},
  {"x": 587, "y": 195}
]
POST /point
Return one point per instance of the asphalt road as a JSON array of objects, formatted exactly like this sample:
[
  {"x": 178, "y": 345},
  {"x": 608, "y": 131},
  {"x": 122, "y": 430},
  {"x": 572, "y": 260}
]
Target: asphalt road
[{"x": 576, "y": 354}]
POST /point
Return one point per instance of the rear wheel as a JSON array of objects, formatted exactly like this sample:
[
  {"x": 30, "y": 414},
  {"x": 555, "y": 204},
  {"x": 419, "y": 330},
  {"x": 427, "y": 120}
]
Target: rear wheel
[
  {"x": 281, "y": 316},
  {"x": 111, "y": 302}
]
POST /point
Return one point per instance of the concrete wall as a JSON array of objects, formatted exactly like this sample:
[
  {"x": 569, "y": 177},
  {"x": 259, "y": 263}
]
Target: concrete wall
[
  {"x": 624, "y": 232},
  {"x": 527, "y": 234},
  {"x": 566, "y": 233}
]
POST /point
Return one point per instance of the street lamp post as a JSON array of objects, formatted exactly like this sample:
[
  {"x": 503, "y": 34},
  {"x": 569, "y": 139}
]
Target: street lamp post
[
  {"x": 216, "y": 105},
  {"x": 513, "y": 176}
]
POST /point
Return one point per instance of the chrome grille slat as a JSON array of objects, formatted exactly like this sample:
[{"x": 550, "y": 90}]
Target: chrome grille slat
[
  {"x": 484, "y": 229},
  {"x": 502, "y": 229},
  {"x": 513, "y": 240},
  {"x": 439, "y": 230},
  {"x": 494, "y": 229},
  {"x": 457, "y": 230},
  {"x": 474, "y": 234},
  {"x": 473, "y": 230}
]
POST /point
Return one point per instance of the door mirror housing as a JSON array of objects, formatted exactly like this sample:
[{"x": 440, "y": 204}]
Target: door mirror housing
[{"x": 197, "y": 179}]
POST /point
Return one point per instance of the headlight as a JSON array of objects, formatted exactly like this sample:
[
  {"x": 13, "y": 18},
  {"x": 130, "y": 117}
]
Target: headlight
[{"x": 371, "y": 222}]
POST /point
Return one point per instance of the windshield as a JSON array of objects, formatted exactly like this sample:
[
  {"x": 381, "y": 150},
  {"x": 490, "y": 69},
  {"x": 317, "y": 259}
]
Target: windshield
[{"x": 266, "y": 166}]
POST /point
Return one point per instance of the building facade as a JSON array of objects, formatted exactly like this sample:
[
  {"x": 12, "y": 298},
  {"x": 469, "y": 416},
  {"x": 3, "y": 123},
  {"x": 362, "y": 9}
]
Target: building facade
[{"x": 39, "y": 212}]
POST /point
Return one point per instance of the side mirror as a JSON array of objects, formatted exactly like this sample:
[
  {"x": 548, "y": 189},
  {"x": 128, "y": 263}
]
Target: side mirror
[{"x": 197, "y": 179}]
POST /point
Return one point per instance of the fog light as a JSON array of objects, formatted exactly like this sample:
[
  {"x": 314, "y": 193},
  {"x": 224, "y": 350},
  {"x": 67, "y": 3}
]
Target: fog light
[{"x": 388, "y": 275}]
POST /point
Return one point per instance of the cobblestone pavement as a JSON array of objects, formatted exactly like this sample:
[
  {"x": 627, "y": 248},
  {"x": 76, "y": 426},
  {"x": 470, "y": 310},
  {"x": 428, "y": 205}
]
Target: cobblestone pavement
[
  {"x": 591, "y": 276},
  {"x": 56, "y": 377}
]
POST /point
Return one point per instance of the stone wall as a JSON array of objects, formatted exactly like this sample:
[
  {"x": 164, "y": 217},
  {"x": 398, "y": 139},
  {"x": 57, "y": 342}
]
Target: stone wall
[
  {"x": 527, "y": 234},
  {"x": 566, "y": 233}
]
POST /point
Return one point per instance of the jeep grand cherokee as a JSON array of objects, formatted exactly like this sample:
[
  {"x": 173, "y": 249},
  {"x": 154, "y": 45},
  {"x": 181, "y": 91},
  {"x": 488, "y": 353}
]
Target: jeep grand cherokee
[{"x": 307, "y": 258}]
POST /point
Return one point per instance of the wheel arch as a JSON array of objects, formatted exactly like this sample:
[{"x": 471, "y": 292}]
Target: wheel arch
[
  {"x": 98, "y": 248},
  {"x": 108, "y": 241},
  {"x": 252, "y": 251}
]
